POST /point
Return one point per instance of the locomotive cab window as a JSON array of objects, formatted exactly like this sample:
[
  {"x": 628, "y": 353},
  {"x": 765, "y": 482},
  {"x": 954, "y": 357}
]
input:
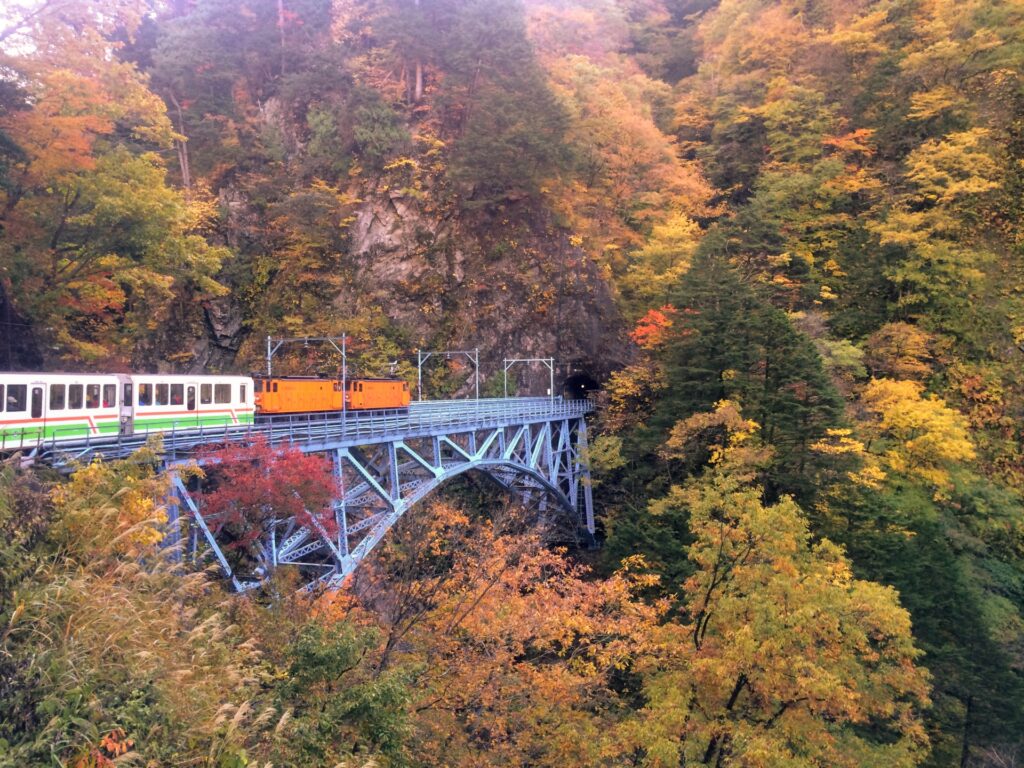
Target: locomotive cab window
[
  {"x": 145, "y": 394},
  {"x": 56, "y": 397},
  {"x": 257, "y": 385},
  {"x": 75, "y": 396},
  {"x": 222, "y": 393},
  {"x": 17, "y": 397},
  {"x": 205, "y": 394}
]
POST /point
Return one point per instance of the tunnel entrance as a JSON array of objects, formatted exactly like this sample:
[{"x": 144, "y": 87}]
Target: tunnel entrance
[{"x": 578, "y": 386}]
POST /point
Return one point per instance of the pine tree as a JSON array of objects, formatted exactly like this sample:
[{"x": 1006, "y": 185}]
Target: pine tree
[{"x": 732, "y": 344}]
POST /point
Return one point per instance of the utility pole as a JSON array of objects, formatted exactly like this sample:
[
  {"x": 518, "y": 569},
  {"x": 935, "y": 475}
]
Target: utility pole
[
  {"x": 473, "y": 355},
  {"x": 275, "y": 344},
  {"x": 548, "y": 362}
]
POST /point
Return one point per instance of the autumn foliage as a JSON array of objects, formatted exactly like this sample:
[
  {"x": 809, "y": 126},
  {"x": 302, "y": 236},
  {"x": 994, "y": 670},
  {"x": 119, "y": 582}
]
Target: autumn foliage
[
  {"x": 249, "y": 485},
  {"x": 652, "y": 329},
  {"x": 784, "y": 236},
  {"x": 784, "y": 652}
]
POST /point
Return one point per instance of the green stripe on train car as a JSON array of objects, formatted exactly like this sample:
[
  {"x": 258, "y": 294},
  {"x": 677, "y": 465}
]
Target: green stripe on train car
[
  {"x": 14, "y": 436},
  {"x": 168, "y": 422}
]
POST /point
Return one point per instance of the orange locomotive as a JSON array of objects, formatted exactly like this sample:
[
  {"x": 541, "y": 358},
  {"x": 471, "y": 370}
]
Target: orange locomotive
[{"x": 303, "y": 395}]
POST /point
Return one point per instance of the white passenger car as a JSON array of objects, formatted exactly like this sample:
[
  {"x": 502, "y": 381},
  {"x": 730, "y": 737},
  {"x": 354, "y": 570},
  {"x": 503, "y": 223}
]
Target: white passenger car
[
  {"x": 40, "y": 408},
  {"x": 162, "y": 402}
]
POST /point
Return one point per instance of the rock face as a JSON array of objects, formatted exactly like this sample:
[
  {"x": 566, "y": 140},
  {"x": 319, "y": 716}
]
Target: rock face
[
  {"x": 518, "y": 290},
  {"x": 509, "y": 285},
  {"x": 217, "y": 350}
]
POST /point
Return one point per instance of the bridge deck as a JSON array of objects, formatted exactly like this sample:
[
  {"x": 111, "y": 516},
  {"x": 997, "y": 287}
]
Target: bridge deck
[{"x": 318, "y": 432}]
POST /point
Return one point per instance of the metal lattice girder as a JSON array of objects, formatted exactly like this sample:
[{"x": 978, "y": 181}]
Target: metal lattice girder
[{"x": 537, "y": 450}]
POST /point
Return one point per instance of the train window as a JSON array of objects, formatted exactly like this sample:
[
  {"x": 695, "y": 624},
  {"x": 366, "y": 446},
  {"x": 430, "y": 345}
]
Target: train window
[
  {"x": 162, "y": 394},
  {"x": 127, "y": 394},
  {"x": 92, "y": 395},
  {"x": 257, "y": 385},
  {"x": 222, "y": 393},
  {"x": 205, "y": 394},
  {"x": 109, "y": 395},
  {"x": 2, "y": 400},
  {"x": 145, "y": 394},
  {"x": 75, "y": 396},
  {"x": 177, "y": 394},
  {"x": 56, "y": 397},
  {"x": 241, "y": 393},
  {"x": 37, "y": 402},
  {"x": 17, "y": 395},
  {"x": 275, "y": 386}
]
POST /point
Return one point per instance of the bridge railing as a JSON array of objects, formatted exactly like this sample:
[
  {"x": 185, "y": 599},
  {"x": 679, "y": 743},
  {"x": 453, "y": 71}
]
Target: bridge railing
[
  {"x": 421, "y": 418},
  {"x": 440, "y": 417}
]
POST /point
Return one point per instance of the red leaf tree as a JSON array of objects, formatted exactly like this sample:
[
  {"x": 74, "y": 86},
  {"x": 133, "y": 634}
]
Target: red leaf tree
[
  {"x": 251, "y": 485},
  {"x": 652, "y": 329}
]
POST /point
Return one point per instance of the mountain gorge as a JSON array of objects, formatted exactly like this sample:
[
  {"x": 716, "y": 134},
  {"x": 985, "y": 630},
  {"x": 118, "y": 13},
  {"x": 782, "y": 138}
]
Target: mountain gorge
[{"x": 783, "y": 235}]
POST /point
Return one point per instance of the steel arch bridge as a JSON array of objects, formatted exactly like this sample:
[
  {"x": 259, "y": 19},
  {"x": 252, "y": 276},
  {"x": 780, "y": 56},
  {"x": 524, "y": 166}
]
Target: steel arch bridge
[{"x": 384, "y": 462}]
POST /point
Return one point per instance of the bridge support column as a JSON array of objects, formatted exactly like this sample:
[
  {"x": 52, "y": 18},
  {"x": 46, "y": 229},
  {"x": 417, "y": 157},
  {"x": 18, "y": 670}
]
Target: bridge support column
[
  {"x": 583, "y": 470},
  {"x": 183, "y": 497}
]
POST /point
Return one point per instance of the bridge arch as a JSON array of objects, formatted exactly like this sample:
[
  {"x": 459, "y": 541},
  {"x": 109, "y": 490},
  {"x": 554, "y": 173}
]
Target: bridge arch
[
  {"x": 544, "y": 461},
  {"x": 501, "y": 472}
]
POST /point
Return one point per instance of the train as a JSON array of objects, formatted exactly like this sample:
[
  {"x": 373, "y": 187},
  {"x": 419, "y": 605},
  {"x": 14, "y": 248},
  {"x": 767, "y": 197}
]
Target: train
[{"x": 69, "y": 407}]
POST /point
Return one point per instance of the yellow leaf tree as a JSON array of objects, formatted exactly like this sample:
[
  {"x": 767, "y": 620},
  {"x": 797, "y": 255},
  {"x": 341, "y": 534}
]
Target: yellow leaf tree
[
  {"x": 784, "y": 658},
  {"x": 917, "y": 434}
]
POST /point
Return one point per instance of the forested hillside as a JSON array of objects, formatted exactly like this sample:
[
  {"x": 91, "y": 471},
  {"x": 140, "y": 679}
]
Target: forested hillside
[{"x": 784, "y": 236}]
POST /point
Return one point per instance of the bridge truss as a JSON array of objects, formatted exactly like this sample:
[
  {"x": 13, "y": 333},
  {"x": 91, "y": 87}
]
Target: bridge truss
[{"x": 534, "y": 448}]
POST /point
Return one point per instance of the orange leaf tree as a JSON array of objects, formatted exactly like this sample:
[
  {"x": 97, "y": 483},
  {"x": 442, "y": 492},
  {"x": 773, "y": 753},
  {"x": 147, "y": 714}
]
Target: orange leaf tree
[{"x": 517, "y": 650}]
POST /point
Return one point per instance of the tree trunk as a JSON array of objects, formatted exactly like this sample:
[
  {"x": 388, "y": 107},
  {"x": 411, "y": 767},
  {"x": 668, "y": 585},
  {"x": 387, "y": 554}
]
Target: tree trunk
[
  {"x": 181, "y": 147},
  {"x": 418, "y": 88},
  {"x": 716, "y": 745},
  {"x": 280, "y": 29},
  {"x": 965, "y": 749},
  {"x": 186, "y": 174}
]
